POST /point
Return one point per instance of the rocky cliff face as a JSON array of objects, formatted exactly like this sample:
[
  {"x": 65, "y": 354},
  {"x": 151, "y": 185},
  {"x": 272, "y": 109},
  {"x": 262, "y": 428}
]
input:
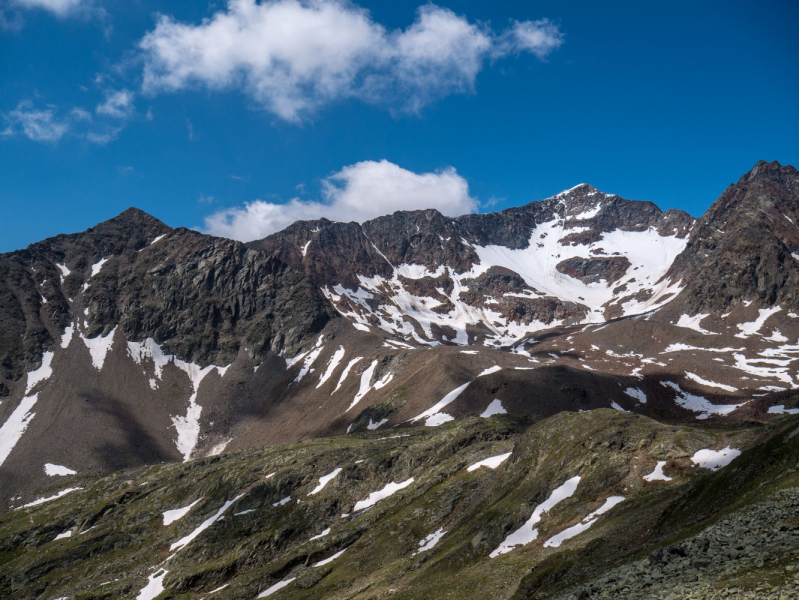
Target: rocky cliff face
[
  {"x": 745, "y": 248},
  {"x": 492, "y": 277},
  {"x": 203, "y": 298}
]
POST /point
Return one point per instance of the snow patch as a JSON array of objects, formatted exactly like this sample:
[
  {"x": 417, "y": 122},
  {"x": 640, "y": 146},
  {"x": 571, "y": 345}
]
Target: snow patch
[
  {"x": 171, "y": 516},
  {"x": 707, "y": 383},
  {"x": 438, "y": 419},
  {"x": 304, "y": 249},
  {"x": 495, "y": 408},
  {"x": 431, "y": 540},
  {"x": 492, "y": 462},
  {"x": 323, "y": 481},
  {"x": 99, "y": 347},
  {"x": 694, "y": 323},
  {"x": 490, "y": 370},
  {"x": 698, "y": 404},
  {"x": 441, "y": 404},
  {"x": 40, "y": 374},
  {"x": 657, "y": 474},
  {"x": 310, "y": 359},
  {"x": 715, "y": 459},
  {"x": 321, "y": 535},
  {"x": 346, "y": 372},
  {"x": 332, "y": 366},
  {"x": 330, "y": 559},
  {"x": 64, "y": 271},
  {"x": 780, "y": 409},
  {"x": 528, "y": 532},
  {"x": 39, "y": 501},
  {"x": 587, "y": 522},
  {"x": 98, "y": 266},
  {"x": 185, "y": 541},
  {"x": 278, "y": 586},
  {"x": 188, "y": 427},
  {"x": 366, "y": 378},
  {"x": 65, "y": 534},
  {"x": 154, "y": 587},
  {"x": 53, "y": 470},
  {"x": 753, "y": 327},
  {"x": 66, "y": 338},
  {"x": 637, "y": 394},
  {"x": 379, "y": 495},
  {"x": 361, "y": 327},
  {"x": 15, "y": 426}
]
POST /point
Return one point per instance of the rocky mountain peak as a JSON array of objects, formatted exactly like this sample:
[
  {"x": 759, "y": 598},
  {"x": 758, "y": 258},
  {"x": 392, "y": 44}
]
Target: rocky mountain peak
[{"x": 767, "y": 169}]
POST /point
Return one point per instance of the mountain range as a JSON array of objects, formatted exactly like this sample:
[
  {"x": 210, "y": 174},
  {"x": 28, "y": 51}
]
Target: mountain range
[{"x": 590, "y": 351}]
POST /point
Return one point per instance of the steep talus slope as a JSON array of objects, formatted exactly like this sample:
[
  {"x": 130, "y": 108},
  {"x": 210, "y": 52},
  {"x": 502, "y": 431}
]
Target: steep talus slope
[
  {"x": 116, "y": 328},
  {"x": 493, "y": 508}
]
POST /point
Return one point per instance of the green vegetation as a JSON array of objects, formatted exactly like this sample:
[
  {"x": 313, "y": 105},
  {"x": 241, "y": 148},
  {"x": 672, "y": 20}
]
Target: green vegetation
[{"x": 689, "y": 525}]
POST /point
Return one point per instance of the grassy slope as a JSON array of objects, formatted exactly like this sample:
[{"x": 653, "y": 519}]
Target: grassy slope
[{"x": 118, "y": 537}]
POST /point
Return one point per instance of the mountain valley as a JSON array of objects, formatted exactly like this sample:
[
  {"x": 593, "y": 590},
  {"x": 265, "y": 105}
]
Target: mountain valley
[{"x": 582, "y": 397}]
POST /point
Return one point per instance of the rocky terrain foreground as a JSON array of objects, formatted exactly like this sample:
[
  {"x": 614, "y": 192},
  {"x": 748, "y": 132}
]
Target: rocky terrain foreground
[
  {"x": 582, "y": 397},
  {"x": 600, "y": 504}
]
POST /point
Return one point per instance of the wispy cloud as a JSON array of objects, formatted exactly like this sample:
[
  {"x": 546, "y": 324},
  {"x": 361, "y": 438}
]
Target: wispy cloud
[
  {"x": 60, "y": 8},
  {"x": 293, "y": 57},
  {"x": 190, "y": 128},
  {"x": 49, "y": 124},
  {"x": 355, "y": 193},
  {"x": 118, "y": 104},
  {"x": 57, "y": 7},
  {"x": 40, "y": 125}
]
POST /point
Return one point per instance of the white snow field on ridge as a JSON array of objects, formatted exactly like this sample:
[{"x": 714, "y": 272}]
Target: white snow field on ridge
[{"x": 649, "y": 253}]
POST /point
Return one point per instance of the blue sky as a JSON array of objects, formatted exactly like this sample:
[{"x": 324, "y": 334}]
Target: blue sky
[{"x": 264, "y": 113}]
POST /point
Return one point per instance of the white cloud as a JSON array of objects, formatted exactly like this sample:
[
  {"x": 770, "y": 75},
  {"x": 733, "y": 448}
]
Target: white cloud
[
  {"x": 58, "y": 7},
  {"x": 40, "y": 125},
  {"x": 105, "y": 135},
  {"x": 118, "y": 104},
  {"x": 540, "y": 38},
  {"x": 46, "y": 125},
  {"x": 294, "y": 56},
  {"x": 358, "y": 192}
]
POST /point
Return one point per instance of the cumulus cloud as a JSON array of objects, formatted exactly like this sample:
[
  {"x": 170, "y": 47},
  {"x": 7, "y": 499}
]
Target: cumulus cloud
[
  {"x": 40, "y": 125},
  {"x": 293, "y": 56},
  {"x": 58, "y": 7},
  {"x": 357, "y": 192}
]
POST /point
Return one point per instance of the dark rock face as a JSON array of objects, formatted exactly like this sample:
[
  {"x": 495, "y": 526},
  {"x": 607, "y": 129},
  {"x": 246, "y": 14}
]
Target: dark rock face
[
  {"x": 742, "y": 248},
  {"x": 206, "y": 297},
  {"x": 592, "y": 270},
  {"x": 35, "y": 294},
  {"x": 202, "y": 297},
  {"x": 367, "y": 260}
]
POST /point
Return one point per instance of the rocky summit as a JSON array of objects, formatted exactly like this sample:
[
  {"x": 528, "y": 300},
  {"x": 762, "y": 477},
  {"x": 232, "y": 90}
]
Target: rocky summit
[{"x": 580, "y": 398}]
